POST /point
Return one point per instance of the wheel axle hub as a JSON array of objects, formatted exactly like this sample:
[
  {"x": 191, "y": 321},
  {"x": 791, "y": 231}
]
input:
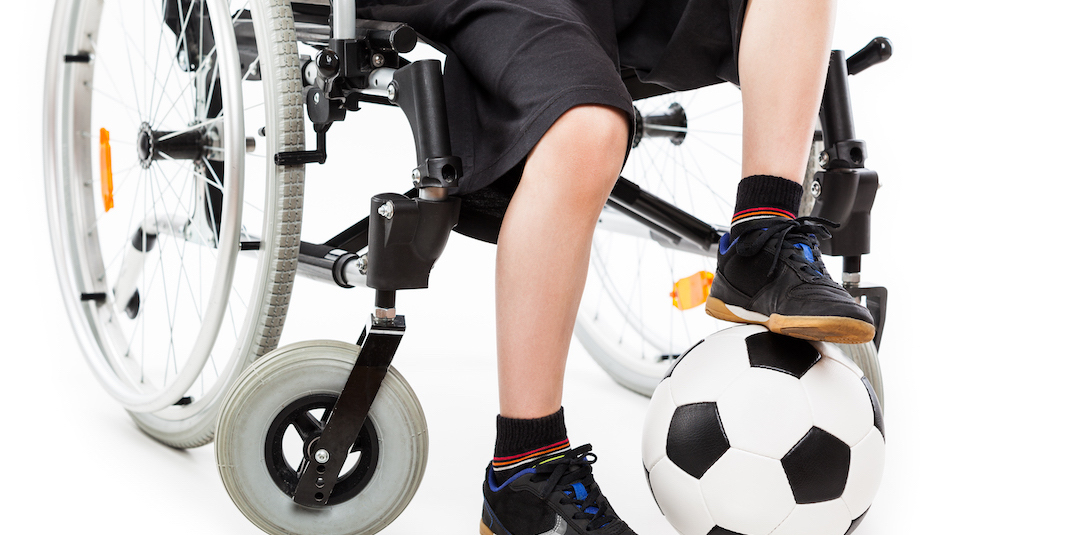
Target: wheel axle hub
[
  {"x": 671, "y": 124},
  {"x": 155, "y": 145}
]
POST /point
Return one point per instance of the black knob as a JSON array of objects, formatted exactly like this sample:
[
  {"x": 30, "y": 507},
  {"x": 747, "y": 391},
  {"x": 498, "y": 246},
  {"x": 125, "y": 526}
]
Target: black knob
[
  {"x": 328, "y": 63},
  {"x": 876, "y": 51}
]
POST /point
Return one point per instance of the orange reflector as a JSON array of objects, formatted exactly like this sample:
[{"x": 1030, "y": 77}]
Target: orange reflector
[
  {"x": 105, "y": 170},
  {"x": 690, "y": 292}
]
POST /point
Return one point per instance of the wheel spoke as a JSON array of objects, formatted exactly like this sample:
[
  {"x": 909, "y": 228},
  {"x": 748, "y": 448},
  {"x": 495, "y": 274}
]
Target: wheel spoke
[
  {"x": 130, "y": 61},
  {"x": 308, "y": 426}
]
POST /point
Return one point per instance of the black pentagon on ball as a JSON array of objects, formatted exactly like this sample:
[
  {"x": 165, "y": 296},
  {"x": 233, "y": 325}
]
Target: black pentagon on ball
[
  {"x": 696, "y": 438},
  {"x": 781, "y": 353},
  {"x": 718, "y": 530},
  {"x": 817, "y": 467},
  {"x": 878, "y": 414}
]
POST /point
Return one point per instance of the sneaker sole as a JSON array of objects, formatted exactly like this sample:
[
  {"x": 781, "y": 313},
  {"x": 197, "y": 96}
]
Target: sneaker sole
[
  {"x": 836, "y": 329},
  {"x": 484, "y": 530}
]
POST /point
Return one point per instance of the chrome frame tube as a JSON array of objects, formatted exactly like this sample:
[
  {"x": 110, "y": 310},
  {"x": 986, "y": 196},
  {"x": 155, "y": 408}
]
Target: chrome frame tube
[
  {"x": 321, "y": 268},
  {"x": 344, "y": 19}
]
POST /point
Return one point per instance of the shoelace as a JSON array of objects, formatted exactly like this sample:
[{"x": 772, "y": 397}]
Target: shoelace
[
  {"x": 809, "y": 229},
  {"x": 572, "y": 475}
]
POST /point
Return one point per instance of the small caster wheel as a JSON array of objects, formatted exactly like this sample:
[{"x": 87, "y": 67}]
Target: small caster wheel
[
  {"x": 865, "y": 356},
  {"x": 274, "y": 414}
]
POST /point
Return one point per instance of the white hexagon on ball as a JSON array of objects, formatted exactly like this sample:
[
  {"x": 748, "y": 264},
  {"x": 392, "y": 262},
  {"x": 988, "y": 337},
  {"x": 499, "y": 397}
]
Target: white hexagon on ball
[
  {"x": 765, "y": 412},
  {"x": 656, "y": 427},
  {"x": 747, "y": 493},
  {"x": 864, "y": 478},
  {"x": 816, "y": 518},
  {"x": 708, "y": 369},
  {"x": 680, "y": 499},
  {"x": 838, "y": 400}
]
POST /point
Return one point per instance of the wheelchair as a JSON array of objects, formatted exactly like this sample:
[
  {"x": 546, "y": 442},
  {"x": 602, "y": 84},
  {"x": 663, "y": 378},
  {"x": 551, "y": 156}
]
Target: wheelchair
[{"x": 175, "y": 158}]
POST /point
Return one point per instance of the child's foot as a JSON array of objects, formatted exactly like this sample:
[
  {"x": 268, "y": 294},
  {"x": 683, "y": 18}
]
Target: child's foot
[
  {"x": 556, "y": 496},
  {"x": 772, "y": 275}
]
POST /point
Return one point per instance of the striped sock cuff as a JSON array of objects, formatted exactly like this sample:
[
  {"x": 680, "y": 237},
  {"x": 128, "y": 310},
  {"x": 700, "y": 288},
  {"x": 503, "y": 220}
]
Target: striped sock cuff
[
  {"x": 516, "y": 435},
  {"x": 760, "y": 212},
  {"x": 532, "y": 457},
  {"x": 765, "y": 196}
]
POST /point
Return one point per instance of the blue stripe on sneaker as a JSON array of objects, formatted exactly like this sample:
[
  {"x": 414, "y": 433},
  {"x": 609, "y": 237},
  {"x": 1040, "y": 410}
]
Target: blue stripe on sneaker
[
  {"x": 807, "y": 251},
  {"x": 496, "y": 488},
  {"x": 726, "y": 242},
  {"x": 579, "y": 492}
]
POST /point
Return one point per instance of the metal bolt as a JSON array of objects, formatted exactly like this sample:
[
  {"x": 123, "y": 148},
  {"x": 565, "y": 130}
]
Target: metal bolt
[
  {"x": 852, "y": 280},
  {"x": 316, "y": 98},
  {"x": 823, "y": 159},
  {"x": 322, "y": 456},
  {"x": 378, "y": 60},
  {"x": 416, "y": 177},
  {"x": 387, "y": 209},
  {"x": 815, "y": 189},
  {"x": 362, "y": 264},
  {"x": 392, "y": 91}
]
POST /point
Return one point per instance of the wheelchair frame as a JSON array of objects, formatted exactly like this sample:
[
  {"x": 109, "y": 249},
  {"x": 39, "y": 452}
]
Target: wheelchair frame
[
  {"x": 405, "y": 234},
  {"x": 360, "y": 62}
]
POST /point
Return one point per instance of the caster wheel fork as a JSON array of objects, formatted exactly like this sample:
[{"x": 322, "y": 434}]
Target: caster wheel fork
[{"x": 268, "y": 428}]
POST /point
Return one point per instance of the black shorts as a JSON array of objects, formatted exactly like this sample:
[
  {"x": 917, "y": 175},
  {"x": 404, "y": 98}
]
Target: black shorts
[{"x": 514, "y": 66}]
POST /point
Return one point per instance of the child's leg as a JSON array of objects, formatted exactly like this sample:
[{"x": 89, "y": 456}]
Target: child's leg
[
  {"x": 545, "y": 240},
  {"x": 769, "y": 270},
  {"x": 783, "y": 61},
  {"x": 536, "y": 483},
  {"x": 544, "y": 247},
  {"x": 543, "y": 251}
]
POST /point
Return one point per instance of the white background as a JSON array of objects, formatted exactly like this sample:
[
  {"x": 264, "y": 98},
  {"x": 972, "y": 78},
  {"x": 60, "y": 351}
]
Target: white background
[{"x": 967, "y": 126}]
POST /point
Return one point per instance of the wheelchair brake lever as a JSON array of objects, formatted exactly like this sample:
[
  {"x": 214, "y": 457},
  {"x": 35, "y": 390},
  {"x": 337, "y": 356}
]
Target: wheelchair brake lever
[
  {"x": 876, "y": 51},
  {"x": 302, "y": 157}
]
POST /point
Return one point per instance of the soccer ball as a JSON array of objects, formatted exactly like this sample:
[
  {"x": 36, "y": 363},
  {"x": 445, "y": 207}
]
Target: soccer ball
[{"x": 755, "y": 433}]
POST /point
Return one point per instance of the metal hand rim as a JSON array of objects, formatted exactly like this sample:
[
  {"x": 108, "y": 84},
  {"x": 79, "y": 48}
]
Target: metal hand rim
[{"x": 127, "y": 393}]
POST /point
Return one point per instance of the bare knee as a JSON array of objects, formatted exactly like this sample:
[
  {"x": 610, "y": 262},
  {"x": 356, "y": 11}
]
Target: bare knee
[
  {"x": 596, "y": 136},
  {"x": 590, "y": 141},
  {"x": 595, "y": 127}
]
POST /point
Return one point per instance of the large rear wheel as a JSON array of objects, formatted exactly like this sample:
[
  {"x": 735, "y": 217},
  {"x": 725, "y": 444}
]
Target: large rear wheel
[{"x": 174, "y": 234}]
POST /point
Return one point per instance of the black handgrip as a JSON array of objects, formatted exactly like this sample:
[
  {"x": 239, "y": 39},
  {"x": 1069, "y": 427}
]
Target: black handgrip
[
  {"x": 394, "y": 36},
  {"x": 877, "y": 51}
]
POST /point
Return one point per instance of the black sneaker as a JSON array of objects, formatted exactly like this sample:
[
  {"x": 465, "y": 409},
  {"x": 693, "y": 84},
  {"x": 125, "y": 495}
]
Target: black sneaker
[
  {"x": 557, "y": 496},
  {"x": 772, "y": 275}
]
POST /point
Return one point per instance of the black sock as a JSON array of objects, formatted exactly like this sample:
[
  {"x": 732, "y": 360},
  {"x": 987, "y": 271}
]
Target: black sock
[
  {"x": 764, "y": 196},
  {"x": 522, "y": 442}
]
